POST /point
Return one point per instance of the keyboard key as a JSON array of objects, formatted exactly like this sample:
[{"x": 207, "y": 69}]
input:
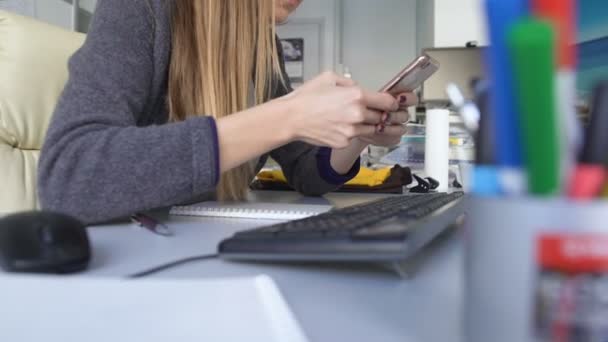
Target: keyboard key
[
  {"x": 382, "y": 232},
  {"x": 300, "y": 234}
]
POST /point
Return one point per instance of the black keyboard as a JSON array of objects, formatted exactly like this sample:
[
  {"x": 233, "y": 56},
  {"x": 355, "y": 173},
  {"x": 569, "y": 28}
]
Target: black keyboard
[{"x": 389, "y": 229}]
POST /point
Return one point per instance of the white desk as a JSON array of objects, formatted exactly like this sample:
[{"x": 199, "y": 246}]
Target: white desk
[{"x": 332, "y": 303}]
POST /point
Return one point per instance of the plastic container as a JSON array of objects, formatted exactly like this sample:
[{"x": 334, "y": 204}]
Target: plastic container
[{"x": 536, "y": 270}]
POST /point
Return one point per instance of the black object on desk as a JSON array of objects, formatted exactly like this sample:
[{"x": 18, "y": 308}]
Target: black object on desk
[
  {"x": 390, "y": 230},
  {"x": 485, "y": 149},
  {"x": 425, "y": 185},
  {"x": 43, "y": 242},
  {"x": 399, "y": 177}
]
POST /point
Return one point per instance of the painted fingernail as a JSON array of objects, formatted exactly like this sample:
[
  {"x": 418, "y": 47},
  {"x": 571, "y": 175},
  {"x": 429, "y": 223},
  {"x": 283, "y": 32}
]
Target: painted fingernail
[
  {"x": 402, "y": 99},
  {"x": 381, "y": 129}
]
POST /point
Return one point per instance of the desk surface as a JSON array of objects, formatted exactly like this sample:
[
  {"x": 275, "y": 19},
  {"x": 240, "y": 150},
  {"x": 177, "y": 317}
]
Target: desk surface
[{"x": 332, "y": 303}]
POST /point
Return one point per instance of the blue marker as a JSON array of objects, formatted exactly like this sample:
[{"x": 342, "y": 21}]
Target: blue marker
[
  {"x": 501, "y": 15},
  {"x": 478, "y": 119}
]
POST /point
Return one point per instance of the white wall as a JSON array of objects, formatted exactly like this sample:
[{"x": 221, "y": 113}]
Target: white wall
[
  {"x": 55, "y": 12},
  {"x": 457, "y": 22},
  {"x": 379, "y": 39},
  {"x": 373, "y": 38},
  {"x": 17, "y": 6},
  {"x": 448, "y": 23},
  {"x": 425, "y": 24},
  {"x": 325, "y": 10},
  {"x": 88, "y": 5}
]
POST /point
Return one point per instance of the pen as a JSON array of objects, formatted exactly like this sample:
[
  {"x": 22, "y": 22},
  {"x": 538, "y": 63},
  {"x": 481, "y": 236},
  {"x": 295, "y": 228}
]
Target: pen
[
  {"x": 590, "y": 175},
  {"x": 468, "y": 110},
  {"x": 151, "y": 224},
  {"x": 502, "y": 14},
  {"x": 484, "y": 178},
  {"x": 532, "y": 49},
  {"x": 484, "y": 173},
  {"x": 562, "y": 14}
]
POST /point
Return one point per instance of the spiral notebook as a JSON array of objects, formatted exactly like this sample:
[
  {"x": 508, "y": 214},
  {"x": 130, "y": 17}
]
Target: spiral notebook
[{"x": 263, "y": 211}]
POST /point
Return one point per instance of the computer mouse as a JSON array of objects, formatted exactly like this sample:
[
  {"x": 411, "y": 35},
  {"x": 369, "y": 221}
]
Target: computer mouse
[{"x": 43, "y": 242}]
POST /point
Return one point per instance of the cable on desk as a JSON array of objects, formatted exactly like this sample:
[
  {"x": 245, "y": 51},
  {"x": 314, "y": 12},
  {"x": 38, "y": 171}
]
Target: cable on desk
[{"x": 172, "y": 264}]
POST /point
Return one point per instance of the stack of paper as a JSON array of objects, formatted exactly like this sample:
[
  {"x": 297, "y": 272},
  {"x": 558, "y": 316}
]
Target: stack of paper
[{"x": 76, "y": 309}]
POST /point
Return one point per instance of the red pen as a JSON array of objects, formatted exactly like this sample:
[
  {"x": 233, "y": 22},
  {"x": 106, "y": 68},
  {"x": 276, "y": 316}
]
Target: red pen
[
  {"x": 591, "y": 173},
  {"x": 562, "y": 13}
]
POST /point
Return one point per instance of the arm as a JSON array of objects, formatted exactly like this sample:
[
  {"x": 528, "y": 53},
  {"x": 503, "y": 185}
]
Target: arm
[
  {"x": 343, "y": 159},
  {"x": 96, "y": 163},
  {"x": 315, "y": 171},
  {"x": 309, "y": 169},
  {"x": 244, "y": 136},
  {"x": 329, "y": 111}
]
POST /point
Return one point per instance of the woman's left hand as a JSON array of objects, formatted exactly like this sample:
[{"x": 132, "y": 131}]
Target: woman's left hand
[{"x": 393, "y": 127}]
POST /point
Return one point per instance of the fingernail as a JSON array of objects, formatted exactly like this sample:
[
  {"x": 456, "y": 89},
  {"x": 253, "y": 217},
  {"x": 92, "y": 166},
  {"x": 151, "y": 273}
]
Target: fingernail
[
  {"x": 402, "y": 99},
  {"x": 381, "y": 129},
  {"x": 384, "y": 118}
]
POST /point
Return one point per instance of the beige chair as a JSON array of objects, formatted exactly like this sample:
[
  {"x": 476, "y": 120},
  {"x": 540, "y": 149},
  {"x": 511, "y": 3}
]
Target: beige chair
[{"x": 33, "y": 72}]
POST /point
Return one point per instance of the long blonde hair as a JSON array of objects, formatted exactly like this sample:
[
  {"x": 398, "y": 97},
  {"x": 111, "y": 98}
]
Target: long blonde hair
[{"x": 217, "y": 48}]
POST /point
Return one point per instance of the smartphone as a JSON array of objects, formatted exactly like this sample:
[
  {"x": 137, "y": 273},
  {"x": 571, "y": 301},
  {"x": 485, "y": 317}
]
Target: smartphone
[{"x": 412, "y": 76}]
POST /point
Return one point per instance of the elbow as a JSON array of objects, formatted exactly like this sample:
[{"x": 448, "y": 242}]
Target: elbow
[
  {"x": 53, "y": 197},
  {"x": 311, "y": 186},
  {"x": 313, "y": 191},
  {"x": 54, "y": 194}
]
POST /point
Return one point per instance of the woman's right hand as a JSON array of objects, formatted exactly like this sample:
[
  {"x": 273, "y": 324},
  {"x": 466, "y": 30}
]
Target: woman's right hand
[{"x": 331, "y": 110}]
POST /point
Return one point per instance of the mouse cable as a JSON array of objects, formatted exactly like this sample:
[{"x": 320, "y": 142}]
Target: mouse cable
[{"x": 172, "y": 264}]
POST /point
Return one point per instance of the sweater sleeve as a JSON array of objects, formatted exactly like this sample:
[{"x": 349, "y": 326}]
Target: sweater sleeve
[
  {"x": 96, "y": 163},
  {"x": 307, "y": 167},
  {"x": 308, "y": 170}
]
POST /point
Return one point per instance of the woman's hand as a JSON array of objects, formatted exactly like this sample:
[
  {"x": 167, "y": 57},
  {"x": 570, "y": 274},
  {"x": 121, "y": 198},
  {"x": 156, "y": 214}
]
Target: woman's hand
[
  {"x": 389, "y": 132},
  {"x": 331, "y": 110}
]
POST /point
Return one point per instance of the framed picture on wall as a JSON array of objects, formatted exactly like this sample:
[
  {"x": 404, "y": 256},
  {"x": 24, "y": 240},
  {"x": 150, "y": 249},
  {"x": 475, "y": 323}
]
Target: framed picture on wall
[
  {"x": 302, "y": 42},
  {"x": 293, "y": 53}
]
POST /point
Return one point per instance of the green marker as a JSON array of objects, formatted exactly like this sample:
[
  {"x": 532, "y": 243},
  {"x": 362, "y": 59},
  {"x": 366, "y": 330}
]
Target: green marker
[{"x": 532, "y": 49}]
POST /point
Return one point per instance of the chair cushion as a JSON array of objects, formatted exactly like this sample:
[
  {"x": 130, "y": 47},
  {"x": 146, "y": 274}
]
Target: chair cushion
[{"x": 33, "y": 72}]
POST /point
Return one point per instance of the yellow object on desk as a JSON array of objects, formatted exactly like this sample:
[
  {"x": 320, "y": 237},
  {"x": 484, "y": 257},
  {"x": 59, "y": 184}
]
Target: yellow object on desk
[{"x": 366, "y": 176}]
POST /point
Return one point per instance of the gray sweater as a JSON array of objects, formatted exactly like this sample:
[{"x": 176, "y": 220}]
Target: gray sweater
[{"x": 109, "y": 151}]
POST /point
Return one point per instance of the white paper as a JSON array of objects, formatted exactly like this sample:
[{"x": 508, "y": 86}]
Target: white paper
[
  {"x": 251, "y": 210},
  {"x": 76, "y": 309}
]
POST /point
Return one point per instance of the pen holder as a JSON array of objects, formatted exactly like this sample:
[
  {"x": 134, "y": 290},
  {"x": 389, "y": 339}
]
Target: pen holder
[{"x": 536, "y": 270}]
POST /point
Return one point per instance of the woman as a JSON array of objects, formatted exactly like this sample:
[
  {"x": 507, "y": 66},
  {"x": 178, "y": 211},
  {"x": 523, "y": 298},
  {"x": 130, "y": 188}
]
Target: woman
[{"x": 165, "y": 96}]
